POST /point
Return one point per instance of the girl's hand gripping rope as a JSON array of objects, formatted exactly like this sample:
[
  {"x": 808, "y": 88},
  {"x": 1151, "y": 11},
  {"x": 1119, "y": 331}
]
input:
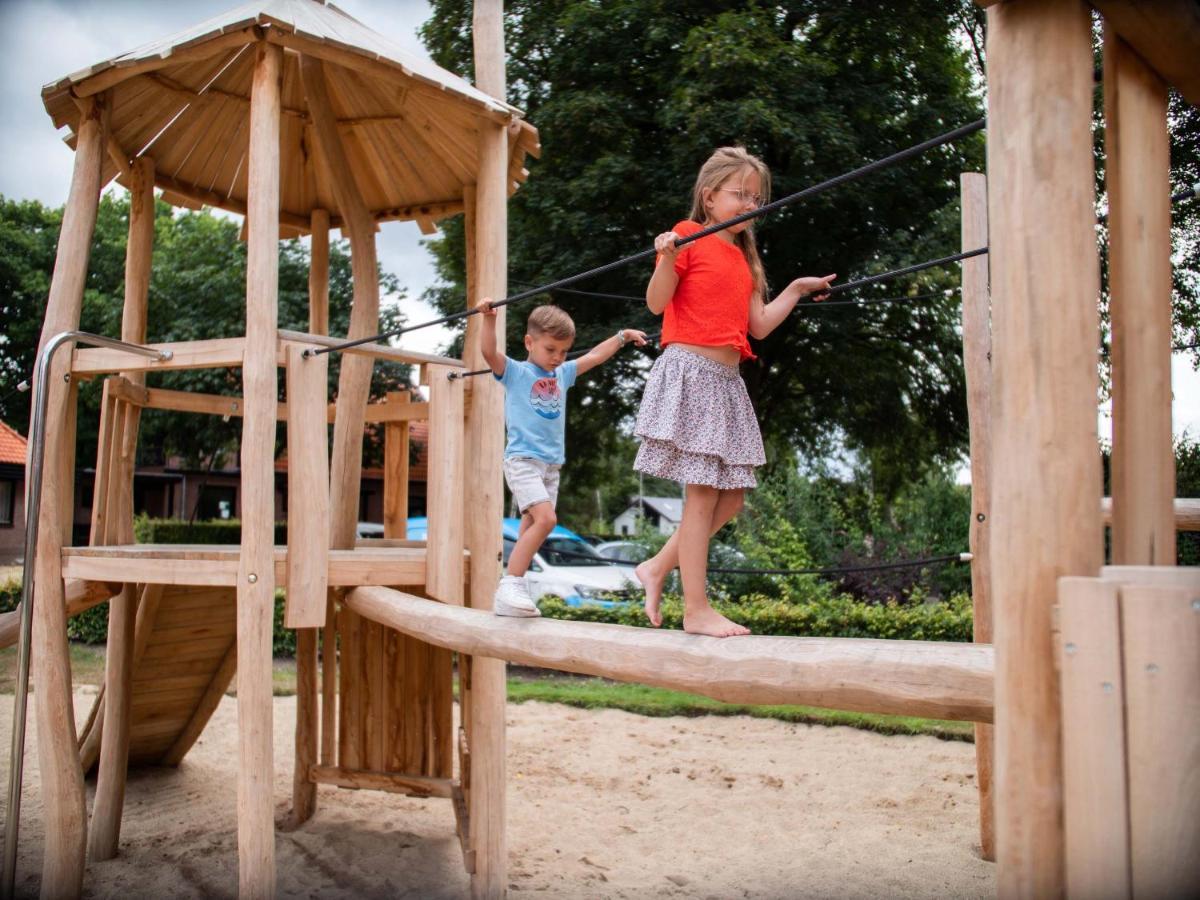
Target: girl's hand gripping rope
[
  {"x": 664, "y": 245},
  {"x": 816, "y": 288}
]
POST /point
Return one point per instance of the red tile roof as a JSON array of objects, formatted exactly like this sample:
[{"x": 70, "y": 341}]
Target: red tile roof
[{"x": 12, "y": 446}]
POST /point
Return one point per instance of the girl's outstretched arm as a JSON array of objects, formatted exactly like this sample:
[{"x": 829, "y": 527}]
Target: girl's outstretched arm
[
  {"x": 662, "y": 284},
  {"x": 766, "y": 317}
]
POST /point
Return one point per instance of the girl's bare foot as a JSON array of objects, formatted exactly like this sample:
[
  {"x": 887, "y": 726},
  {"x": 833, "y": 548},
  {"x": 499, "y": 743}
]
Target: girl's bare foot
[
  {"x": 653, "y": 583},
  {"x": 709, "y": 621}
]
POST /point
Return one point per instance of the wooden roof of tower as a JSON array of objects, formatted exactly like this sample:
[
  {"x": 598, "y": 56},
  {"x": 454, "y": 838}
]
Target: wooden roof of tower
[{"x": 409, "y": 126}]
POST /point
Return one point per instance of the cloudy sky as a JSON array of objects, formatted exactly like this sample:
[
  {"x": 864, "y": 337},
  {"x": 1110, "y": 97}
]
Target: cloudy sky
[{"x": 43, "y": 40}]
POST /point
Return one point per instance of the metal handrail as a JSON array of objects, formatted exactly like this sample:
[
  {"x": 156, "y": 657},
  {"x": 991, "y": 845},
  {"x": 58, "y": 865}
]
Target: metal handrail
[{"x": 37, "y": 440}]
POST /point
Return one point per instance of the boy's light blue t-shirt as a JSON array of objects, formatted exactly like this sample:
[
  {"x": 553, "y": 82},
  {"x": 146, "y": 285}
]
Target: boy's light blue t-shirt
[{"x": 535, "y": 409}]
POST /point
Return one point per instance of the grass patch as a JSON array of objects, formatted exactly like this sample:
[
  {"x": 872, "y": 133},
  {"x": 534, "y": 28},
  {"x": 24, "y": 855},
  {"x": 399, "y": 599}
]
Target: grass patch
[
  {"x": 598, "y": 693},
  {"x": 87, "y": 666}
]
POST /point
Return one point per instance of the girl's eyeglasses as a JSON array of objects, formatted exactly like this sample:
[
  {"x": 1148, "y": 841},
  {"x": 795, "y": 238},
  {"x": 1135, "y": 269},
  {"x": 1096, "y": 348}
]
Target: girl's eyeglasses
[{"x": 755, "y": 200}]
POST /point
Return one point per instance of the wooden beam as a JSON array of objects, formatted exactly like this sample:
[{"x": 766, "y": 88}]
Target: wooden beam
[
  {"x": 1138, "y": 177},
  {"x": 115, "y": 74},
  {"x": 1165, "y": 34},
  {"x": 65, "y": 812},
  {"x": 395, "y": 473},
  {"x": 206, "y": 197},
  {"x": 256, "y": 570},
  {"x": 80, "y": 596},
  {"x": 940, "y": 680},
  {"x": 209, "y": 354},
  {"x": 485, "y": 449},
  {"x": 1045, "y": 451},
  {"x": 109, "y": 803},
  {"x": 977, "y": 353},
  {"x": 1186, "y": 512},
  {"x": 380, "y": 351},
  {"x": 355, "y": 377}
]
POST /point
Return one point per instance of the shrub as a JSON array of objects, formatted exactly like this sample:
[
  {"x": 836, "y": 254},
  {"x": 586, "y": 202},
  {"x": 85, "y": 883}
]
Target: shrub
[{"x": 840, "y": 616}]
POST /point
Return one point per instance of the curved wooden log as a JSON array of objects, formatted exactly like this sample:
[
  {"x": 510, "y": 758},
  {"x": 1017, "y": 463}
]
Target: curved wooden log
[
  {"x": 80, "y": 597},
  {"x": 939, "y": 680}
]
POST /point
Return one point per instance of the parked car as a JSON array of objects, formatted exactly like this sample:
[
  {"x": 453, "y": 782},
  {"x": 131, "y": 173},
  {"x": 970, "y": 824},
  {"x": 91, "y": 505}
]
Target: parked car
[
  {"x": 565, "y": 565},
  {"x": 370, "y": 529},
  {"x": 627, "y": 551}
]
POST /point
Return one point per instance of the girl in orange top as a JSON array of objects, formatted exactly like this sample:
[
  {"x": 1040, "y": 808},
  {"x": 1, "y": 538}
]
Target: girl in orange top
[{"x": 696, "y": 423}]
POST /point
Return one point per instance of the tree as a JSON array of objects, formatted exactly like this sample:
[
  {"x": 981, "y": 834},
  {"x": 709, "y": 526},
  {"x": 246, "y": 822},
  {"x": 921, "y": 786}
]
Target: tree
[
  {"x": 627, "y": 116},
  {"x": 197, "y": 291}
]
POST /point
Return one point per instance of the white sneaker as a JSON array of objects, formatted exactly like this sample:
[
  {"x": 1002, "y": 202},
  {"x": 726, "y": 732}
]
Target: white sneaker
[{"x": 512, "y": 598}]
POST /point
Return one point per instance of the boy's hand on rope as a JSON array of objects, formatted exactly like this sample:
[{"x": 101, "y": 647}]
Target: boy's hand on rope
[
  {"x": 486, "y": 308},
  {"x": 815, "y": 288},
  {"x": 664, "y": 245},
  {"x": 638, "y": 337}
]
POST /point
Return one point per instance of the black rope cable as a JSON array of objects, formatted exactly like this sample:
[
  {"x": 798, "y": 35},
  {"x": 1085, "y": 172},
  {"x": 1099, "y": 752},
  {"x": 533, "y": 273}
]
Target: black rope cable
[
  {"x": 828, "y": 570},
  {"x": 574, "y": 354},
  {"x": 861, "y": 171}
]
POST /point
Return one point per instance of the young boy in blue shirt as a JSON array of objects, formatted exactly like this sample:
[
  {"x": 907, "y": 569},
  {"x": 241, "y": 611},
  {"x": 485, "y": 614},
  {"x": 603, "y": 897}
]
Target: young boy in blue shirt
[{"x": 535, "y": 407}]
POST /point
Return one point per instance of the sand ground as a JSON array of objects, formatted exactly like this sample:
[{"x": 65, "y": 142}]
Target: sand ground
[{"x": 601, "y": 804}]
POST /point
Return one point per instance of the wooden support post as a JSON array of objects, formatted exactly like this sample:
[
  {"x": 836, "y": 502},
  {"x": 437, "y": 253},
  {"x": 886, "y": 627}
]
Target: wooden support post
[
  {"x": 105, "y": 833},
  {"x": 304, "y": 790},
  {"x": 354, "y": 384},
  {"x": 354, "y": 381},
  {"x": 1137, "y": 173},
  {"x": 977, "y": 363},
  {"x": 1046, "y": 461},
  {"x": 256, "y": 570},
  {"x": 444, "y": 536},
  {"x": 1095, "y": 799},
  {"x": 485, "y": 447},
  {"x": 62, "y": 776}
]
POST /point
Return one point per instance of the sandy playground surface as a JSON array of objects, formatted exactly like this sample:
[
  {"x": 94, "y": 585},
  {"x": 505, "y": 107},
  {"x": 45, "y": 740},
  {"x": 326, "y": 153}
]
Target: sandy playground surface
[{"x": 601, "y": 804}]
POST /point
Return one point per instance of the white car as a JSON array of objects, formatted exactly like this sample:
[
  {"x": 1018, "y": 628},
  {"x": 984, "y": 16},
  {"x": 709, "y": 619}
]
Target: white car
[{"x": 568, "y": 567}]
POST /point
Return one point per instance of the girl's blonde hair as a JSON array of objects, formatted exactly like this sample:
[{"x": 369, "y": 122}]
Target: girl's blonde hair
[{"x": 725, "y": 162}]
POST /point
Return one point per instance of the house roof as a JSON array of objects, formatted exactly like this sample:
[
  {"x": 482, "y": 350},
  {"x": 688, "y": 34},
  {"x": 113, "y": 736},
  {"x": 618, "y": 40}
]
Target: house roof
[
  {"x": 12, "y": 446},
  {"x": 410, "y": 128},
  {"x": 670, "y": 508}
]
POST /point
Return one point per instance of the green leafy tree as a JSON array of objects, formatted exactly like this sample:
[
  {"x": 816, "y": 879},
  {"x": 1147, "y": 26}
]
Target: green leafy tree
[
  {"x": 626, "y": 118},
  {"x": 197, "y": 291}
]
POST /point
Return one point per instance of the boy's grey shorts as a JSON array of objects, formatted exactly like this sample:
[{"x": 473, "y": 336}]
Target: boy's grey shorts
[{"x": 531, "y": 481}]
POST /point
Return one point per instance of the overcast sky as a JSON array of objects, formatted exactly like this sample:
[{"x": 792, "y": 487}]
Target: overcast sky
[{"x": 43, "y": 40}]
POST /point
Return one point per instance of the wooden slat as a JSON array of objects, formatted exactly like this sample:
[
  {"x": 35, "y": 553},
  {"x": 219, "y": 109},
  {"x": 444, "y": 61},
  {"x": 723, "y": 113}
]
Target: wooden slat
[
  {"x": 1161, "y": 632},
  {"x": 1095, "y": 800},
  {"x": 357, "y": 779},
  {"x": 445, "y": 488},
  {"x": 1187, "y": 513},
  {"x": 349, "y": 689},
  {"x": 211, "y": 354},
  {"x": 380, "y": 351},
  {"x": 203, "y": 709},
  {"x": 308, "y": 499},
  {"x": 395, "y": 479}
]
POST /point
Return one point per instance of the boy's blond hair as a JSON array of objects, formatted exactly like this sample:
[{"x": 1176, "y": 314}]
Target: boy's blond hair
[{"x": 551, "y": 320}]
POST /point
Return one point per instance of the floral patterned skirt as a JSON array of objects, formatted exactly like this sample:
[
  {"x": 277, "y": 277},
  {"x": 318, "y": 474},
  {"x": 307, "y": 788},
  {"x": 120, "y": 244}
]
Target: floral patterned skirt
[{"x": 696, "y": 423}]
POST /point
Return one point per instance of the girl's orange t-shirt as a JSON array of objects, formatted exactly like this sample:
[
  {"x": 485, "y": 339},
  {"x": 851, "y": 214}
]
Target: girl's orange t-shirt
[{"x": 711, "y": 304}]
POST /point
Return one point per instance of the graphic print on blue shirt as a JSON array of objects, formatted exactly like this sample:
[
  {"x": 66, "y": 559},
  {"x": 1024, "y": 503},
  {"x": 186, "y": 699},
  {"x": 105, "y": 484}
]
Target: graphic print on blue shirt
[
  {"x": 545, "y": 398},
  {"x": 535, "y": 412}
]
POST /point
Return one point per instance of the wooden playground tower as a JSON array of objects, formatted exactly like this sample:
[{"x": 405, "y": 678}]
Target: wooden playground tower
[{"x": 301, "y": 119}]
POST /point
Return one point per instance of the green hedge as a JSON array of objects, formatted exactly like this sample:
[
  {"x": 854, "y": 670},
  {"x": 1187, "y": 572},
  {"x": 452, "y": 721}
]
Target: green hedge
[
  {"x": 179, "y": 531},
  {"x": 841, "y": 616}
]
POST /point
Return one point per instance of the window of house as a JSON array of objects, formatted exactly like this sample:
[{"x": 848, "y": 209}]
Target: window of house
[
  {"x": 216, "y": 502},
  {"x": 8, "y": 493}
]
